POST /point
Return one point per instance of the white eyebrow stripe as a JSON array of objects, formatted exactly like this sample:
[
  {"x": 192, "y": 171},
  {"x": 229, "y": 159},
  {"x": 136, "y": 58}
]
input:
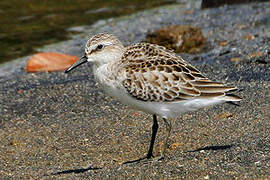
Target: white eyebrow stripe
[{"x": 107, "y": 43}]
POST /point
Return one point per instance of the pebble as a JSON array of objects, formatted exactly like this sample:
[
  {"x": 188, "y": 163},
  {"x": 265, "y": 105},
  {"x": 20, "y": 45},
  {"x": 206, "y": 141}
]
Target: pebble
[{"x": 50, "y": 61}]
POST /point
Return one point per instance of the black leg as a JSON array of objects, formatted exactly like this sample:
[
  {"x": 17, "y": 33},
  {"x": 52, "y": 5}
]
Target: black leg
[
  {"x": 168, "y": 128},
  {"x": 153, "y": 138},
  {"x": 151, "y": 147}
]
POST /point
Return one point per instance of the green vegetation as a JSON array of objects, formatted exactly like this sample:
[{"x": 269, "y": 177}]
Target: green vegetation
[{"x": 26, "y": 24}]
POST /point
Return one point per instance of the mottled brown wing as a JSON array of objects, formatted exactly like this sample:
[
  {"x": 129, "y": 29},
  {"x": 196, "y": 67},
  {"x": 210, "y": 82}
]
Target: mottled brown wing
[{"x": 155, "y": 74}]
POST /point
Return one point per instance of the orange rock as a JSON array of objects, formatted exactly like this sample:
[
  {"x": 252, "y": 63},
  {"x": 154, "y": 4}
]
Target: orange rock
[
  {"x": 16, "y": 143},
  {"x": 223, "y": 43},
  {"x": 254, "y": 55},
  {"x": 248, "y": 37},
  {"x": 175, "y": 145},
  {"x": 49, "y": 61},
  {"x": 188, "y": 12},
  {"x": 223, "y": 115},
  {"x": 236, "y": 59}
]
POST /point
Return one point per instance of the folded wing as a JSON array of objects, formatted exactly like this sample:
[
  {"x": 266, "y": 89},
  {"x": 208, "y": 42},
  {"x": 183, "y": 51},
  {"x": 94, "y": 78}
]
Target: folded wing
[{"x": 153, "y": 73}]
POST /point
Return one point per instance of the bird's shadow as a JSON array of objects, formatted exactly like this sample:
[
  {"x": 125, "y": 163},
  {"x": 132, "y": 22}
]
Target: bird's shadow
[
  {"x": 76, "y": 171},
  {"x": 82, "y": 170},
  {"x": 215, "y": 148}
]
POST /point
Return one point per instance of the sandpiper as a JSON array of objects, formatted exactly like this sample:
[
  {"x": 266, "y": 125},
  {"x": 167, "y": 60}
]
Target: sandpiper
[{"x": 152, "y": 79}]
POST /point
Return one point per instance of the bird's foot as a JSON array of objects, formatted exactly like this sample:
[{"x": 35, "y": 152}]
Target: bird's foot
[{"x": 148, "y": 158}]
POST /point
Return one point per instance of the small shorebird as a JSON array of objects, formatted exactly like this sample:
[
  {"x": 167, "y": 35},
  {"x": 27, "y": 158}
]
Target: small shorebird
[{"x": 152, "y": 79}]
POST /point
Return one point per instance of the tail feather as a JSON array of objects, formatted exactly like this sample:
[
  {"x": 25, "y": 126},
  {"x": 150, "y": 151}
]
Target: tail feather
[{"x": 231, "y": 97}]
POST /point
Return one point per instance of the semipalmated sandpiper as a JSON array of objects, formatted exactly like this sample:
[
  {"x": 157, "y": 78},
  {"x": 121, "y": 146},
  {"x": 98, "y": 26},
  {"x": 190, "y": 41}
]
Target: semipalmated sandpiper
[{"x": 152, "y": 79}]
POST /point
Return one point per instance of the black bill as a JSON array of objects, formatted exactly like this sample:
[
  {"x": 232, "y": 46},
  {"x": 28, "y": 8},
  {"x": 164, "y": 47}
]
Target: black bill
[{"x": 81, "y": 61}]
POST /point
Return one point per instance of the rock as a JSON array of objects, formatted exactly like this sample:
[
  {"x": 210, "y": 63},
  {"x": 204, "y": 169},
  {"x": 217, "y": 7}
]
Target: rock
[
  {"x": 175, "y": 145},
  {"x": 186, "y": 39},
  {"x": 49, "y": 61},
  {"x": 254, "y": 55},
  {"x": 20, "y": 91},
  {"x": 248, "y": 37},
  {"x": 223, "y": 43},
  {"x": 258, "y": 57},
  {"x": 16, "y": 143},
  {"x": 224, "y": 115},
  {"x": 188, "y": 11},
  {"x": 236, "y": 59}
]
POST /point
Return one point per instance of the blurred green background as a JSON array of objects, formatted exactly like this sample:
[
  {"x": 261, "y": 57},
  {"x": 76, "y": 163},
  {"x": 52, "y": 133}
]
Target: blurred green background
[{"x": 27, "y": 24}]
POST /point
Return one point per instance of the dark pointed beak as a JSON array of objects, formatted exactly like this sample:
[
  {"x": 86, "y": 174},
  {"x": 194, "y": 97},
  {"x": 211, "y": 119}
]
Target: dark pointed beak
[{"x": 81, "y": 61}]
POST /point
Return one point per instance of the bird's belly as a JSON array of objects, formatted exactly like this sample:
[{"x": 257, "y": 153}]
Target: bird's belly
[{"x": 163, "y": 109}]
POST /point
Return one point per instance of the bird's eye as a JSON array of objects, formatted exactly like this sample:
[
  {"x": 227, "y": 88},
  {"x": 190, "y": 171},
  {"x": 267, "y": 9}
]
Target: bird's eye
[{"x": 99, "y": 47}]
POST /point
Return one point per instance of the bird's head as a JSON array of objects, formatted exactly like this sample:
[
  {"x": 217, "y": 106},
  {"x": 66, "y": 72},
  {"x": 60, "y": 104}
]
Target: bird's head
[{"x": 100, "y": 49}]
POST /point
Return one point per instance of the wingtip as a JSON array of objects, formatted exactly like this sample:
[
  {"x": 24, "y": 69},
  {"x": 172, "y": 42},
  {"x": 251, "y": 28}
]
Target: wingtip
[
  {"x": 232, "y": 97},
  {"x": 233, "y": 103}
]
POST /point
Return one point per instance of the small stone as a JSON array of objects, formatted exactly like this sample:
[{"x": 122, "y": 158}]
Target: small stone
[
  {"x": 248, "y": 37},
  {"x": 223, "y": 43},
  {"x": 49, "y": 61},
  {"x": 234, "y": 49},
  {"x": 186, "y": 39},
  {"x": 223, "y": 115},
  {"x": 257, "y": 162},
  {"x": 235, "y": 59},
  {"x": 254, "y": 55},
  {"x": 16, "y": 143},
  {"x": 175, "y": 145},
  {"x": 188, "y": 12}
]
